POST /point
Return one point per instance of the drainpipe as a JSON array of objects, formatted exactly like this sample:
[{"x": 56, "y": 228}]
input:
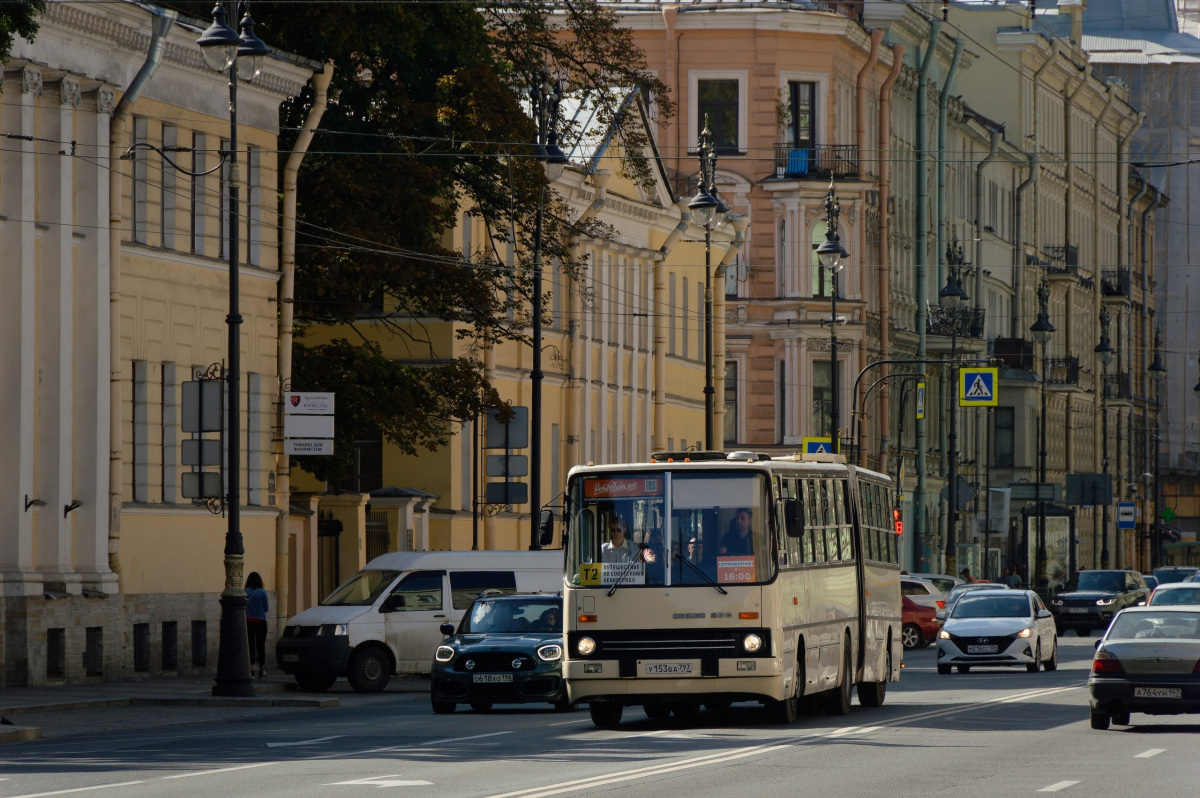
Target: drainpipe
[
  {"x": 922, "y": 256},
  {"x": 1017, "y": 317},
  {"x": 991, "y": 156},
  {"x": 1125, "y": 231},
  {"x": 660, "y": 327},
  {"x": 860, "y": 94},
  {"x": 943, "y": 110},
  {"x": 161, "y": 24},
  {"x": 885, "y": 254},
  {"x": 287, "y": 291},
  {"x": 740, "y": 222}
]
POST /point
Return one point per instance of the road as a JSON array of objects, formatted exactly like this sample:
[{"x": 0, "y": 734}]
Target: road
[{"x": 991, "y": 732}]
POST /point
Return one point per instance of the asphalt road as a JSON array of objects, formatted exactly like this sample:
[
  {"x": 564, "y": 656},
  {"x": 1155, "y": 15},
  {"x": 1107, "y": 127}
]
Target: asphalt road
[{"x": 990, "y": 732}]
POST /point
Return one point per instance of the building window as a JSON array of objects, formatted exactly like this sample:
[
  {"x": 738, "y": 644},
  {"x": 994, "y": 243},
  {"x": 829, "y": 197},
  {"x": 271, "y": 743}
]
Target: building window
[
  {"x": 368, "y": 463},
  {"x": 733, "y": 276},
  {"x": 1002, "y": 442},
  {"x": 252, "y": 206},
  {"x": 199, "y": 164},
  {"x": 170, "y": 180},
  {"x": 685, "y": 314},
  {"x": 822, "y": 396},
  {"x": 718, "y": 102},
  {"x": 223, "y": 204},
  {"x": 170, "y": 433},
  {"x": 140, "y": 135},
  {"x": 671, "y": 314},
  {"x": 801, "y": 129}
]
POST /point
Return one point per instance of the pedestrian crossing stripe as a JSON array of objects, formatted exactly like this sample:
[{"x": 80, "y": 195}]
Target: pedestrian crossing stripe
[{"x": 977, "y": 386}]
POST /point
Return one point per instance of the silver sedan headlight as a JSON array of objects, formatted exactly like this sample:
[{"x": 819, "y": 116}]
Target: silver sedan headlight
[
  {"x": 1026, "y": 632},
  {"x": 444, "y": 654}
]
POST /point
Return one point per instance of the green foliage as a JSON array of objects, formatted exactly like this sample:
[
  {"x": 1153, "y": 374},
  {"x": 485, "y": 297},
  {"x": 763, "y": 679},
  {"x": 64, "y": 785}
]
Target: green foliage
[{"x": 18, "y": 18}]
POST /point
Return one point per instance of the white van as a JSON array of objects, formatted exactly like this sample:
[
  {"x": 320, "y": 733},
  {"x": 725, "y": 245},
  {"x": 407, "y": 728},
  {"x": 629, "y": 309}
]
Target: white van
[{"x": 385, "y": 619}]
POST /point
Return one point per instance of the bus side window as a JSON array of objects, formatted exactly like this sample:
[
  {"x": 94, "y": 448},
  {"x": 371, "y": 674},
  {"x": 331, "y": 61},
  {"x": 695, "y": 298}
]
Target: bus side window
[
  {"x": 815, "y": 540},
  {"x": 847, "y": 545},
  {"x": 839, "y": 502},
  {"x": 813, "y": 501},
  {"x": 826, "y": 510},
  {"x": 831, "y": 544}
]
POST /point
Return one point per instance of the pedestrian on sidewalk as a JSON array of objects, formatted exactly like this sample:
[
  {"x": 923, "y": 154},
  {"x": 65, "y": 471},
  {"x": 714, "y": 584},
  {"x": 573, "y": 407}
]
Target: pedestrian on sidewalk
[{"x": 256, "y": 623}]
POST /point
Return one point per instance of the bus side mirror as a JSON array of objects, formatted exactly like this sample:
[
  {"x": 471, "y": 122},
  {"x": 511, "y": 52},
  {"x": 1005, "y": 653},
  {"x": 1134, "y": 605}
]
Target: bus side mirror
[
  {"x": 546, "y": 528},
  {"x": 793, "y": 518}
]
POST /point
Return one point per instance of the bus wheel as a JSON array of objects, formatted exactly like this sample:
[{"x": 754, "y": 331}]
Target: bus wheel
[
  {"x": 657, "y": 710},
  {"x": 837, "y": 701},
  {"x": 871, "y": 694},
  {"x": 605, "y": 715},
  {"x": 784, "y": 711}
]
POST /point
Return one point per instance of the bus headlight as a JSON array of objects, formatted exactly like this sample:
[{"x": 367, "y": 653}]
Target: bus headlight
[
  {"x": 444, "y": 654},
  {"x": 335, "y": 629},
  {"x": 550, "y": 653},
  {"x": 585, "y": 646},
  {"x": 752, "y": 643}
]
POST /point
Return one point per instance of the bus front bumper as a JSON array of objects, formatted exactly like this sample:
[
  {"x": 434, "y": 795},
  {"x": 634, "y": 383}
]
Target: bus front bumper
[{"x": 752, "y": 678}]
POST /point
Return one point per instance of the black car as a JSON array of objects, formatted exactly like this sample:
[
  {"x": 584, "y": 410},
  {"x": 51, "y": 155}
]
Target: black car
[
  {"x": 1097, "y": 597},
  {"x": 507, "y": 650}
]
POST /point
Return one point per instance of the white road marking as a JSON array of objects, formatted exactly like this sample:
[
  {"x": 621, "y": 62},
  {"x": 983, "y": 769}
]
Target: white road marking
[
  {"x": 566, "y": 722},
  {"x": 220, "y": 770},
  {"x": 460, "y": 739},
  {"x": 1062, "y": 785},
  {"x": 305, "y": 742},
  {"x": 77, "y": 789},
  {"x": 1150, "y": 753},
  {"x": 384, "y": 781},
  {"x": 645, "y": 734}
]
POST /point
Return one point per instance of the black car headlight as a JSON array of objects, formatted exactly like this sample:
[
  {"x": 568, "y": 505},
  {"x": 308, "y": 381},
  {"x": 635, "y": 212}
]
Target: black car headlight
[
  {"x": 1057, "y": 602},
  {"x": 551, "y": 652},
  {"x": 444, "y": 654},
  {"x": 1105, "y": 602}
]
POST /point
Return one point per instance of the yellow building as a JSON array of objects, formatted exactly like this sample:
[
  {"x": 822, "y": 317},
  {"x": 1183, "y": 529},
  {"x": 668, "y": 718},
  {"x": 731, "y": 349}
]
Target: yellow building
[{"x": 117, "y": 293}]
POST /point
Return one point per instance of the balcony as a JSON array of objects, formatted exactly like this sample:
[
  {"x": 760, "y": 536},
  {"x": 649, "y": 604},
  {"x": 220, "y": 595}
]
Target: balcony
[
  {"x": 1115, "y": 283},
  {"x": 1118, "y": 385},
  {"x": 963, "y": 322},
  {"x": 816, "y": 163},
  {"x": 1062, "y": 370},
  {"x": 1014, "y": 353}
]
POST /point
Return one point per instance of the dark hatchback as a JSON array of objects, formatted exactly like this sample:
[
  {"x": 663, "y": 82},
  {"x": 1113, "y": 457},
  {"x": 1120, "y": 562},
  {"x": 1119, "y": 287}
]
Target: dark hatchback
[
  {"x": 507, "y": 650},
  {"x": 1098, "y": 596}
]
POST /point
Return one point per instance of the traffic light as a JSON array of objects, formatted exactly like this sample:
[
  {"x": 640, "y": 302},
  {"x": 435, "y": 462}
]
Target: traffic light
[{"x": 897, "y": 521}]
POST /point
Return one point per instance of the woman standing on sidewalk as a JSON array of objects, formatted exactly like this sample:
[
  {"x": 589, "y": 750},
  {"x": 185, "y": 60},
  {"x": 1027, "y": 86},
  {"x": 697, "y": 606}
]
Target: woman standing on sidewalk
[{"x": 256, "y": 623}]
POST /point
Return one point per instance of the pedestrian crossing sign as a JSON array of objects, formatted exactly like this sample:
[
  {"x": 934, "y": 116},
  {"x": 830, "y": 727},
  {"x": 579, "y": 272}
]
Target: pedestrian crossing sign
[
  {"x": 817, "y": 445},
  {"x": 977, "y": 387}
]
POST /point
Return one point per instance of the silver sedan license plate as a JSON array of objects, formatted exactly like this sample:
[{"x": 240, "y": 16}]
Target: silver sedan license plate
[
  {"x": 982, "y": 649},
  {"x": 492, "y": 677},
  {"x": 668, "y": 668},
  {"x": 1158, "y": 692}
]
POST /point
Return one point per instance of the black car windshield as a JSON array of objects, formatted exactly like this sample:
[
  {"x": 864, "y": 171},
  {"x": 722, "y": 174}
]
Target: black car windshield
[
  {"x": 1102, "y": 580},
  {"x": 1176, "y": 595},
  {"x": 1170, "y": 625},
  {"x": 992, "y": 607},
  {"x": 513, "y": 616},
  {"x": 361, "y": 590}
]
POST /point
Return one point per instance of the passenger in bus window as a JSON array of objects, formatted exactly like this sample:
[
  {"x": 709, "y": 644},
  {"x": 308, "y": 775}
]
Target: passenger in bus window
[
  {"x": 654, "y": 556},
  {"x": 738, "y": 540},
  {"x": 695, "y": 556},
  {"x": 618, "y": 548}
]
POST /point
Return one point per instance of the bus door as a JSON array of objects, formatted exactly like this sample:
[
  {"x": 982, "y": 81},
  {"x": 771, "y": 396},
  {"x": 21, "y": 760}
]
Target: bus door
[{"x": 854, "y": 498}]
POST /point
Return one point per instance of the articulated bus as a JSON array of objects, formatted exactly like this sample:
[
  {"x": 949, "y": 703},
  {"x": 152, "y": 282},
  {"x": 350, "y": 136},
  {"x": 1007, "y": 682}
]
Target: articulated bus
[{"x": 702, "y": 578}]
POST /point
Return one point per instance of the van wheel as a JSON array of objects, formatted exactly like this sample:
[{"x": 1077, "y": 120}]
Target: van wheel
[
  {"x": 605, "y": 715},
  {"x": 369, "y": 670},
  {"x": 443, "y": 707},
  {"x": 315, "y": 682},
  {"x": 837, "y": 701}
]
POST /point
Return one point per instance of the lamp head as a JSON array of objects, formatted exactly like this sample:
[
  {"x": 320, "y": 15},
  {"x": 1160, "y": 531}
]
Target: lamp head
[
  {"x": 252, "y": 53},
  {"x": 1157, "y": 370},
  {"x": 952, "y": 294},
  {"x": 219, "y": 43},
  {"x": 1104, "y": 351},
  {"x": 703, "y": 207},
  {"x": 831, "y": 252},
  {"x": 555, "y": 160},
  {"x": 1042, "y": 330}
]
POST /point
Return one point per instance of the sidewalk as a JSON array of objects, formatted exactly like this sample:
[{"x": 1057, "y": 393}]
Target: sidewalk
[{"x": 23, "y": 710}]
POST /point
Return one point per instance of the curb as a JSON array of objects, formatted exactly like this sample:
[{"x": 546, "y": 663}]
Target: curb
[
  {"x": 20, "y": 734},
  {"x": 108, "y": 703}
]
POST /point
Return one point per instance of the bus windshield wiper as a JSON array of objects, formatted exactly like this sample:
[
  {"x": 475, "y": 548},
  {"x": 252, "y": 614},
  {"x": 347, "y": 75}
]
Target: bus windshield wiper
[
  {"x": 628, "y": 567},
  {"x": 703, "y": 575}
]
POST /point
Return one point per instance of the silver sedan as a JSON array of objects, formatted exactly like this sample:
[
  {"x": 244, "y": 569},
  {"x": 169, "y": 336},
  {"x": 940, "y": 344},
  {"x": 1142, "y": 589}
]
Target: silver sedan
[
  {"x": 1148, "y": 661},
  {"x": 998, "y": 627}
]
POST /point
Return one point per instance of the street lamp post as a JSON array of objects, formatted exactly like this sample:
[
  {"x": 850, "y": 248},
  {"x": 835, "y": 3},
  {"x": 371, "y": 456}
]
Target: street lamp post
[
  {"x": 953, "y": 298},
  {"x": 831, "y": 253},
  {"x": 544, "y": 99},
  {"x": 708, "y": 211},
  {"x": 1104, "y": 353},
  {"x": 1042, "y": 331},
  {"x": 1158, "y": 372},
  {"x": 242, "y": 57}
]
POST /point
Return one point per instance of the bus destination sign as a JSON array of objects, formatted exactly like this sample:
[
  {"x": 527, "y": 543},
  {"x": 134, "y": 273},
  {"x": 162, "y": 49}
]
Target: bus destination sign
[{"x": 623, "y": 487}]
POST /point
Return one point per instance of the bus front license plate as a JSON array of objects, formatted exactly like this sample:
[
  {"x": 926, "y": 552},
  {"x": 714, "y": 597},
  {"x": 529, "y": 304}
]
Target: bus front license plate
[{"x": 668, "y": 668}]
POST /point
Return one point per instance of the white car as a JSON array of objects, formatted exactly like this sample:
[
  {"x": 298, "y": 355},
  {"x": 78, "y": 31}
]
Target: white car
[
  {"x": 998, "y": 627},
  {"x": 923, "y": 592},
  {"x": 943, "y": 582}
]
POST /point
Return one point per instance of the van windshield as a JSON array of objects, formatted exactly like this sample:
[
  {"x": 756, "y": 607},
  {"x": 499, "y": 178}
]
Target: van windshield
[{"x": 361, "y": 590}]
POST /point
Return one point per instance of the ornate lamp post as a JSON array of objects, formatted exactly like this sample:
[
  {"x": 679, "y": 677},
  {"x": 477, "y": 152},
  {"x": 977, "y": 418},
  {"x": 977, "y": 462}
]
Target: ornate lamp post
[
  {"x": 1158, "y": 373},
  {"x": 708, "y": 211},
  {"x": 831, "y": 253},
  {"x": 1042, "y": 331},
  {"x": 1104, "y": 353},
  {"x": 544, "y": 99},
  {"x": 242, "y": 57},
  {"x": 953, "y": 298}
]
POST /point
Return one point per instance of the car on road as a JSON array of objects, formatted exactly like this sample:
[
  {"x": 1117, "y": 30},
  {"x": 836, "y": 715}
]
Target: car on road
[
  {"x": 998, "y": 627},
  {"x": 1175, "y": 573},
  {"x": 923, "y": 592},
  {"x": 920, "y": 626},
  {"x": 506, "y": 650},
  {"x": 1151, "y": 581},
  {"x": 1098, "y": 596},
  {"x": 960, "y": 590},
  {"x": 943, "y": 582},
  {"x": 1175, "y": 593},
  {"x": 1148, "y": 661}
]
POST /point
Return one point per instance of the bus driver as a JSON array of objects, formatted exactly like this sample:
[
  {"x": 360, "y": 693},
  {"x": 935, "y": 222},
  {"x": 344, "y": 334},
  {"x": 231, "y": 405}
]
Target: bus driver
[
  {"x": 618, "y": 548},
  {"x": 737, "y": 540}
]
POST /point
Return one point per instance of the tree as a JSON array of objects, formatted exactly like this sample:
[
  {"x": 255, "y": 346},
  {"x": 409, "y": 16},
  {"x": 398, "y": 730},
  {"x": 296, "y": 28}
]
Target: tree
[
  {"x": 18, "y": 18},
  {"x": 424, "y": 121}
]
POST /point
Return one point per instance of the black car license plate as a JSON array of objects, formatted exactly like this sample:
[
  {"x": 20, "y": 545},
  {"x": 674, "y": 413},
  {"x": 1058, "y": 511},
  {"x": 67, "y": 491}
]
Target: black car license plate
[{"x": 491, "y": 678}]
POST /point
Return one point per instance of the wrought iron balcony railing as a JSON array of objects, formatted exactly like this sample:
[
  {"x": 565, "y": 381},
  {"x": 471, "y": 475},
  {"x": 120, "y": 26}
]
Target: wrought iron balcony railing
[
  {"x": 1062, "y": 370},
  {"x": 963, "y": 322},
  {"x": 819, "y": 162},
  {"x": 1115, "y": 282},
  {"x": 1118, "y": 385}
]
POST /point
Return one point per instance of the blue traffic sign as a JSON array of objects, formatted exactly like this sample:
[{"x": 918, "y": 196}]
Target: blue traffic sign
[
  {"x": 1126, "y": 515},
  {"x": 817, "y": 445},
  {"x": 977, "y": 387}
]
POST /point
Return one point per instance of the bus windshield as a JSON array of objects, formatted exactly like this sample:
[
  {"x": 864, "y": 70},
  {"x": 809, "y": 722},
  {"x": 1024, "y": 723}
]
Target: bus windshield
[{"x": 669, "y": 528}]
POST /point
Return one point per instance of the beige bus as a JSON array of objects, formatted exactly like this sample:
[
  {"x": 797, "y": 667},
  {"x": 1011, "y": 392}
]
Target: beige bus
[{"x": 702, "y": 578}]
